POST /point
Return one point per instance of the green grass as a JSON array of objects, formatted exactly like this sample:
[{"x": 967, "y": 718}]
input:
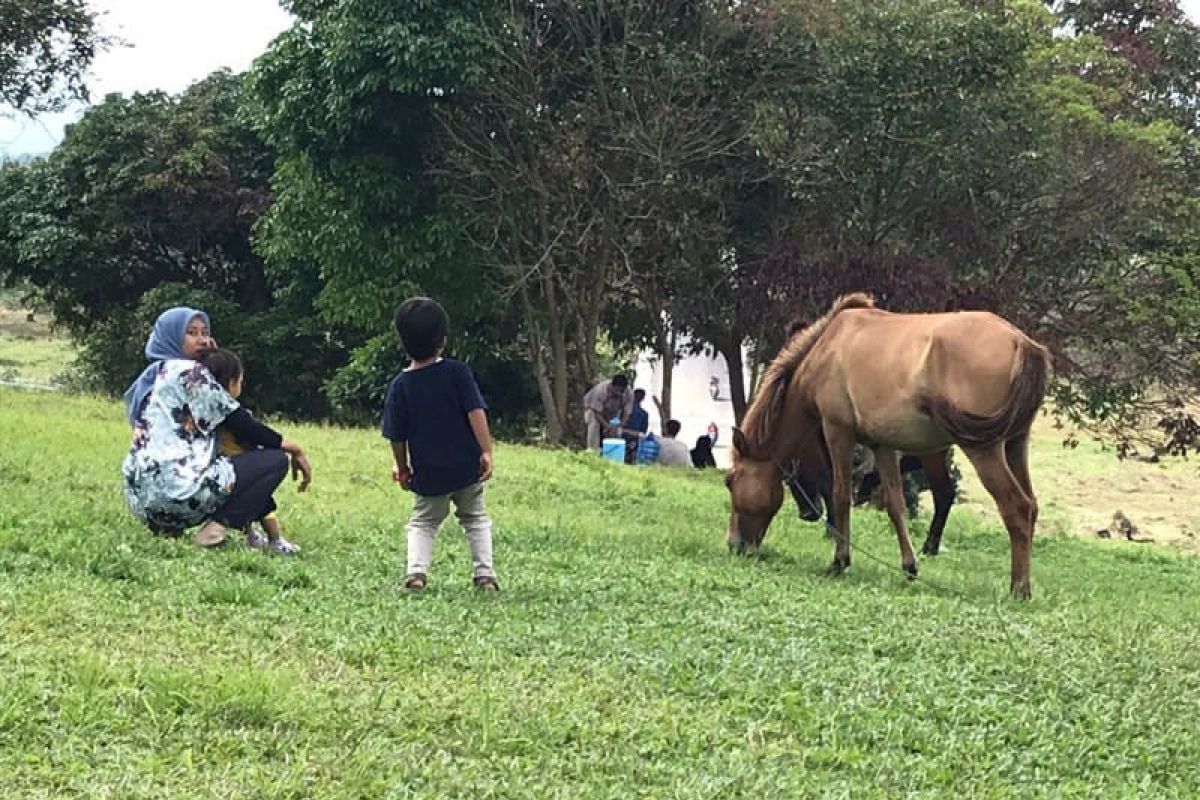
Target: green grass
[{"x": 628, "y": 655}]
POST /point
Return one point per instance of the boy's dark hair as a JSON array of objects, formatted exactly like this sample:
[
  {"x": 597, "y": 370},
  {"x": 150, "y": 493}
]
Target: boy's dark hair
[
  {"x": 673, "y": 427},
  {"x": 422, "y": 324},
  {"x": 639, "y": 394},
  {"x": 620, "y": 381},
  {"x": 224, "y": 365}
]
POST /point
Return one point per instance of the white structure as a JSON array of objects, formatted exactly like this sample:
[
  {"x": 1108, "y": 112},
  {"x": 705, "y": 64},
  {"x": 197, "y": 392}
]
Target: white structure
[{"x": 699, "y": 397}]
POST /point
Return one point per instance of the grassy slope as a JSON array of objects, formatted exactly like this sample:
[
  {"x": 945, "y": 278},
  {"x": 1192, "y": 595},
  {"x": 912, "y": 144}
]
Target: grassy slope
[{"x": 628, "y": 655}]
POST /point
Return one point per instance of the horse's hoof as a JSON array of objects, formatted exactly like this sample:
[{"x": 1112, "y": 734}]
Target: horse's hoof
[
  {"x": 1020, "y": 592},
  {"x": 929, "y": 549},
  {"x": 835, "y": 569},
  {"x": 911, "y": 570}
]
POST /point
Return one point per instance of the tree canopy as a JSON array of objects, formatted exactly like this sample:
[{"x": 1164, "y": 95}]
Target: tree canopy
[
  {"x": 46, "y": 47},
  {"x": 566, "y": 176}
]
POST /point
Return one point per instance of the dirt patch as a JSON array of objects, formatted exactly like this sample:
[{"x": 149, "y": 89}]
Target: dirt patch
[{"x": 1081, "y": 489}]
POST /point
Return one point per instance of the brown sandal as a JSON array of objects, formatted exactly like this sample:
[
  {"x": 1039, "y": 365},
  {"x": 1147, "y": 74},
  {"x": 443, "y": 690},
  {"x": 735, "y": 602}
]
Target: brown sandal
[
  {"x": 415, "y": 582},
  {"x": 210, "y": 534},
  {"x": 486, "y": 583}
]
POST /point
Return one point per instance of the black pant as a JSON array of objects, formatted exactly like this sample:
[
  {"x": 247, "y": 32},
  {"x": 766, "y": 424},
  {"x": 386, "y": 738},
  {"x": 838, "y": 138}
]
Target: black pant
[{"x": 258, "y": 475}]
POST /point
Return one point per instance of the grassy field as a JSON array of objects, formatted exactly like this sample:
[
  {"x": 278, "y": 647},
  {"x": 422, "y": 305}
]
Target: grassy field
[
  {"x": 29, "y": 350},
  {"x": 629, "y": 655}
]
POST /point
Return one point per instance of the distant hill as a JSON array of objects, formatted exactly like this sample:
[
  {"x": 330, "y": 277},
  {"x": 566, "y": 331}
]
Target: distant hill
[{"x": 20, "y": 158}]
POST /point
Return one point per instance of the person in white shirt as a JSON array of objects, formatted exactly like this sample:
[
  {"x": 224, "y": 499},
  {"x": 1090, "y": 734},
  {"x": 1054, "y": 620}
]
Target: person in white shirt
[
  {"x": 672, "y": 452},
  {"x": 604, "y": 401}
]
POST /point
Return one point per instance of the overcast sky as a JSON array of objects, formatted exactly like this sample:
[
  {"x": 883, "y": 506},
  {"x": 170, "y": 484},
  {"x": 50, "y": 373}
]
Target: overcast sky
[{"x": 172, "y": 43}]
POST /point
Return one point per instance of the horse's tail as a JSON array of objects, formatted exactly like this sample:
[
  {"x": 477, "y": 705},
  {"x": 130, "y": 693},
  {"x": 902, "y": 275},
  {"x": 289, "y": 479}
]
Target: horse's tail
[{"x": 1027, "y": 388}]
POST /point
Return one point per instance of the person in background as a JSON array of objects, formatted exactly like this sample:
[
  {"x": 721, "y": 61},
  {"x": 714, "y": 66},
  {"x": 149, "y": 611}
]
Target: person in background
[
  {"x": 702, "y": 454},
  {"x": 672, "y": 452},
  {"x": 605, "y": 400},
  {"x": 636, "y": 427}
]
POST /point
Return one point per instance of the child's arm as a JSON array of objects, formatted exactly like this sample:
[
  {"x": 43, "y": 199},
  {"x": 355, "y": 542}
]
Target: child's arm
[
  {"x": 401, "y": 473},
  {"x": 483, "y": 435}
]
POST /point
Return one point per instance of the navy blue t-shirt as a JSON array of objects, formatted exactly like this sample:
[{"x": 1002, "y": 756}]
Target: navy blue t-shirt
[
  {"x": 427, "y": 408},
  {"x": 639, "y": 420}
]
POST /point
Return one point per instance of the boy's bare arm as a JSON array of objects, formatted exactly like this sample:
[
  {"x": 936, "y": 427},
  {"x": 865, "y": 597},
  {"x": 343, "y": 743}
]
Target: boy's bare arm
[
  {"x": 483, "y": 435},
  {"x": 401, "y": 473}
]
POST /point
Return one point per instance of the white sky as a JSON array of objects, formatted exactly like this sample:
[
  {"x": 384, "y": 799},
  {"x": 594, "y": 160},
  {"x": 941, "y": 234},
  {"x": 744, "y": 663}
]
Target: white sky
[{"x": 171, "y": 44}]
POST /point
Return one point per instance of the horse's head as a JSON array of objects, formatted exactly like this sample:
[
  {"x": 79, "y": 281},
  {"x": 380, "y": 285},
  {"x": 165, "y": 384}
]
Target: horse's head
[{"x": 755, "y": 494}]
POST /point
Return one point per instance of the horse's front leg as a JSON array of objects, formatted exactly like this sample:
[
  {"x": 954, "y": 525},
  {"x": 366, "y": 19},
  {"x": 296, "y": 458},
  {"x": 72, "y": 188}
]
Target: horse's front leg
[
  {"x": 941, "y": 485},
  {"x": 841, "y": 453}
]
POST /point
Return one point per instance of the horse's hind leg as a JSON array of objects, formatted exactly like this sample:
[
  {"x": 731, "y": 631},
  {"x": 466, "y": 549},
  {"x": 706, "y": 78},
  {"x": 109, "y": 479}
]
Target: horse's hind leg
[
  {"x": 1016, "y": 453},
  {"x": 1016, "y": 509},
  {"x": 887, "y": 461},
  {"x": 941, "y": 485}
]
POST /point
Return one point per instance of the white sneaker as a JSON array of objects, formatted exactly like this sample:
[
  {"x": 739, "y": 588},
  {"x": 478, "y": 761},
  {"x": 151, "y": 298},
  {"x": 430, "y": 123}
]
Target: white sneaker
[
  {"x": 255, "y": 538},
  {"x": 283, "y": 547}
]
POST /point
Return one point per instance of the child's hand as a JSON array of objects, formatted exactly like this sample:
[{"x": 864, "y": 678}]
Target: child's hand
[
  {"x": 403, "y": 477},
  {"x": 301, "y": 469},
  {"x": 485, "y": 466}
]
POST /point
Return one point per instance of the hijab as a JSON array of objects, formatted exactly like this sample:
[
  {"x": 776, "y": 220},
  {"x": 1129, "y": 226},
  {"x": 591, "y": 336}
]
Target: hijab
[{"x": 165, "y": 342}]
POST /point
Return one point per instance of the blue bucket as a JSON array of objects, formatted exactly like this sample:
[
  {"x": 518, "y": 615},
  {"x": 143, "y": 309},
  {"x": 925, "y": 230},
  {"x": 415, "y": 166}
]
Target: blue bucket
[{"x": 613, "y": 450}]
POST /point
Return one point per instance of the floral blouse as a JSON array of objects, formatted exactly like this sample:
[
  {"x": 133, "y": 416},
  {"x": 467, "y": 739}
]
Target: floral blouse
[{"x": 173, "y": 476}]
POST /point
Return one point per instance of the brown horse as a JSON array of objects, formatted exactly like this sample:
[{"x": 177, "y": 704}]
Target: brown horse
[{"x": 911, "y": 383}]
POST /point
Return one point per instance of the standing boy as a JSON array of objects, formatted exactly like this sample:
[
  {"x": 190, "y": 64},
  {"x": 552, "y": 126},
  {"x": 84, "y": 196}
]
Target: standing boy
[{"x": 436, "y": 420}]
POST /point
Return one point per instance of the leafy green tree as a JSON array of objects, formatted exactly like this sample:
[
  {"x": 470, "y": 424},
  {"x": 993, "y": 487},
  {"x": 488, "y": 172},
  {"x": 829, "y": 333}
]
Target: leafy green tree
[
  {"x": 153, "y": 198},
  {"x": 593, "y": 171},
  {"x": 348, "y": 98},
  {"x": 971, "y": 155},
  {"x": 46, "y": 47}
]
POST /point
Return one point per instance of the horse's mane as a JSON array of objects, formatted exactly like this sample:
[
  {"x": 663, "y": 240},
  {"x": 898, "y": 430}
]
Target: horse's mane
[{"x": 759, "y": 424}]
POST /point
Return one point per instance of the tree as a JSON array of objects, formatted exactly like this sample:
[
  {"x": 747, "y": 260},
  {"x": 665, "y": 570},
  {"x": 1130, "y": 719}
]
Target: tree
[
  {"x": 592, "y": 169},
  {"x": 974, "y": 157},
  {"x": 46, "y": 47},
  {"x": 152, "y": 199},
  {"x": 347, "y": 98}
]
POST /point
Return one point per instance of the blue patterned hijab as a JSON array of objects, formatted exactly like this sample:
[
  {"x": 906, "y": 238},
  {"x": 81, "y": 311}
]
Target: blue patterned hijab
[{"x": 165, "y": 342}]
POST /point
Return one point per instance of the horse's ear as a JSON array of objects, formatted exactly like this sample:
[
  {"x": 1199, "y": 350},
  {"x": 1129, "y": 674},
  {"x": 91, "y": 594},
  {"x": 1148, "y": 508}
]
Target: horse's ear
[{"x": 739, "y": 442}]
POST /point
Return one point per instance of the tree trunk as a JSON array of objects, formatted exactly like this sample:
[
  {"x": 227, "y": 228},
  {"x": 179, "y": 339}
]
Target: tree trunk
[
  {"x": 737, "y": 383},
  {"x": 560, "y": 384},
  {"x": 554, "y": 423},
  {"x": 756, "y": 371},
  {"x": 667, "y": 339}
]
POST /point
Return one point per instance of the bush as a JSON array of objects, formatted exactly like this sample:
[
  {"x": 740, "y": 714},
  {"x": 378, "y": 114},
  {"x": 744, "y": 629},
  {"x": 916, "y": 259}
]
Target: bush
[
  {"x": 285, "y": 353},
  {"x": 358, "y": 390}
]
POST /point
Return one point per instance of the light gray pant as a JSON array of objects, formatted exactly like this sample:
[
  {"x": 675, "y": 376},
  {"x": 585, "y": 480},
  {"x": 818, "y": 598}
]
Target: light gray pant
[
  {"x": 595, "y": 429},
  {"x": 427, "y": 516}
]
